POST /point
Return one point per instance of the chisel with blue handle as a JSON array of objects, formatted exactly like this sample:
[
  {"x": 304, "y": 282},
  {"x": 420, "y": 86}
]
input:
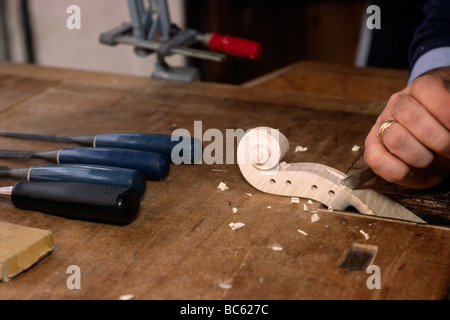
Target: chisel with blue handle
[
  {"x": 153, "y": 142},
  {"x": 108, "y": 176},
  {"x": 154, "y": 166},
  {"x": 82, "y": 201}
]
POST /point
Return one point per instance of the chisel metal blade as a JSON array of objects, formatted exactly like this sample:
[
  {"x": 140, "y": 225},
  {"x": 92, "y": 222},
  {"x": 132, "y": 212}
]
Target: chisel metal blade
[
  {"x": 17, "y": 154},
  {"x": 26, "y": 155},
  {"x": 358, "y": 178},
  {"x": 36, "y": 136}
]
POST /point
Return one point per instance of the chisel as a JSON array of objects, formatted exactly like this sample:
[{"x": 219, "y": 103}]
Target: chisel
[
  {"x": 358, "y": 178},
  {"x": 109, "y": 176},
  {"x": 82, "y": 201},
  {"x": 154, "y": 166},
  {"x": 153, "y": 142}
]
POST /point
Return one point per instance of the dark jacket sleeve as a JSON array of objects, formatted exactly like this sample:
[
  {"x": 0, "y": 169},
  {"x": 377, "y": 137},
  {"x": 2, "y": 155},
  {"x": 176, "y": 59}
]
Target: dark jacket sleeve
[{"x": 434, "y": 32}]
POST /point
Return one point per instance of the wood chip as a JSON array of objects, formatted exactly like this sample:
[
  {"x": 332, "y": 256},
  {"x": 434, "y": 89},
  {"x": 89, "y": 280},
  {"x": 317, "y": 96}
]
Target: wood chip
[
  {"x": 234, "y": 209},
  {"x": 225, "y": 285},
  {"x": 222, "y": 186},
  {"x": 302, "y": 232},
  {"x": 365, "y": 234},
  {"x": 269, "y": 207},
  {"x": 126, "y": 297},
  {"x": 284, "y": 165},
  {"x": 356, "y": 148},
  {"x": 300, "y": 149},
  {"x": 295, "y": 200},
  {"x": 310, "y": 201},
  {"x": 315, "y": 217},
  {"x": 249, "y": 194},
  {"x": 305, "y": 207},
  {"x": 330, "y": 209},
  {"x": 236, "y": 225},
  {"x": 276, "y": 247}
]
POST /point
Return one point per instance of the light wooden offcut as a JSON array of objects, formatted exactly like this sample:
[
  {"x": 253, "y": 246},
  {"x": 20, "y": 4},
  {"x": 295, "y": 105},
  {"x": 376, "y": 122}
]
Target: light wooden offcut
[{"x": 21, "y": 247}]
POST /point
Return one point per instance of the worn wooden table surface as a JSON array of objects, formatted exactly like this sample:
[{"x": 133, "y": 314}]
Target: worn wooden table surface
[{"x": 181, "y": 245}]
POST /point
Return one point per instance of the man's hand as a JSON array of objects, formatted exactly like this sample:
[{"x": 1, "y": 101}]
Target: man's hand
[{"x": 414, "y": 151}]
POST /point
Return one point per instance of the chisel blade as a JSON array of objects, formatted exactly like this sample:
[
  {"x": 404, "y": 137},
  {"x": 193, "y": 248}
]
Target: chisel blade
[
  {"x": 358, "y": 178},
  {"x": 36, "y": 136},
  {"x": 17, "y": 154}
]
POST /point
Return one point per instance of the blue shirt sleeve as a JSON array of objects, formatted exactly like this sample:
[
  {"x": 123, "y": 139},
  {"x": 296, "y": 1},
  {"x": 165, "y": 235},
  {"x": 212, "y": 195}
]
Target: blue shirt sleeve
[{"x": 433, "y": 33}]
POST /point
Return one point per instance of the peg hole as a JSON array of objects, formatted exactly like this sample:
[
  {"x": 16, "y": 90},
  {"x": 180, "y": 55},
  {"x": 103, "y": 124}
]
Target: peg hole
[
  {"x": 272, "y": 181},
  {"x": 288, "y": 182},
  {"x": 331, "y": 193},
  {"x": 314, "y": 187}
]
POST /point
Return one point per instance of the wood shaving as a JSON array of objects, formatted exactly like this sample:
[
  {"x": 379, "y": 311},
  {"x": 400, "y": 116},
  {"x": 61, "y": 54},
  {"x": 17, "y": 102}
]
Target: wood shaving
[
  {"x": 249, "y": 194},
  {"x": 269, "y": 207},
  {"x": 315, "y": 217},
  {"x": 365, "y": 234},
  {"x": 222, "y": 186},
  {"x": 284, "y": 165},
  {"x": 126, "y": 297},
  {"x": 300, "y": 149},
  {"x": 305, "y": 207},
  {"x": 310, "y": 201},
  {"x": 302, "y": 232},
  {"x": 356, "y": 148},
  {"x": 276, "y": 247},
  {"x": 225, "y": 285},
  {"x": 236, "y": 225},
  {"x": 295, "y": 200},
  {"x": 234, "y": 209},
  {"x": 219, "y": 170}
]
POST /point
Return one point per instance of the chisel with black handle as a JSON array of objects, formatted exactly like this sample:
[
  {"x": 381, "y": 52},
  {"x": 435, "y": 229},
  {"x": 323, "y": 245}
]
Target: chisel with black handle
[
  {"x": 154, "y": 166},
  {"x": 112, "y": 205},
  {"x": 152, "y": 142},
  {"x": 108, "y": 176}
]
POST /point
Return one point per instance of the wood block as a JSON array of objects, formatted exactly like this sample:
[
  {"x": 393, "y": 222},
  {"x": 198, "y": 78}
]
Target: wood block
[{"x": 21, "y": 247}]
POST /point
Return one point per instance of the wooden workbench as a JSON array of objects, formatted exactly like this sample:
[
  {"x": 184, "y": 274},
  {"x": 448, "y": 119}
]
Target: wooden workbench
[{"x": 181, "y": 245}]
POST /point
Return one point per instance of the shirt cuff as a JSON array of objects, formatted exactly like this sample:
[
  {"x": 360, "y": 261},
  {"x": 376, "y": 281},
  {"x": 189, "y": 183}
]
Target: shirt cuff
[{"x": 433, "y": 59}]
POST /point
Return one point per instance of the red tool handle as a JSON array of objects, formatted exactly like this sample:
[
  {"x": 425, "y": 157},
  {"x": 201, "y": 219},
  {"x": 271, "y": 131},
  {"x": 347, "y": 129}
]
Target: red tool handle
[{"x": 235, "y": 46}]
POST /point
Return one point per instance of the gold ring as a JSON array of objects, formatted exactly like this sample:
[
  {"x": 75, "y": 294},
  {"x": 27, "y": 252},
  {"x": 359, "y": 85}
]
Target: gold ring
[{"x": 383, "y": 128}]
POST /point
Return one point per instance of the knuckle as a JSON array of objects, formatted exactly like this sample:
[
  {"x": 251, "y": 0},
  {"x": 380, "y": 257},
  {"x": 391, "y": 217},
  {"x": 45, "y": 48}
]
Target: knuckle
[
  {"x": 395, "y": 139},
  {"x": 395, "y": 98},
  {"x": 439, "y": 96},
  {"x": 418, "y": 85},
  {"x": 404, "y": 111}
]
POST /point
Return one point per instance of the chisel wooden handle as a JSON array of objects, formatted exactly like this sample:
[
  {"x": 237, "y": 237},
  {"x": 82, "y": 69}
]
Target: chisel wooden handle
[
  {"x": 154, "y": 166},
  {"x": 78, "y": 201}
]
